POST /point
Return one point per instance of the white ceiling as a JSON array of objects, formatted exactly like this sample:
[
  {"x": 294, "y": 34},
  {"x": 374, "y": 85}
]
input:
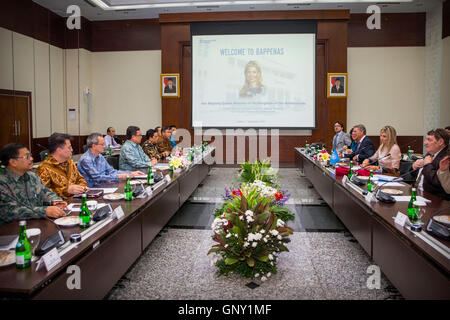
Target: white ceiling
[{"x": 93, "y": 12}]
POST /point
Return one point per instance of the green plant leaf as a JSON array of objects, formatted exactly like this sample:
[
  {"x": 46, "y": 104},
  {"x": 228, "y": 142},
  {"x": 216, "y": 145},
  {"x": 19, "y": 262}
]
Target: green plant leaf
[
  {"x": 262, "y": 258},
  {"x": 230, "y": 261},
  {"x": 251, "y": 262}
]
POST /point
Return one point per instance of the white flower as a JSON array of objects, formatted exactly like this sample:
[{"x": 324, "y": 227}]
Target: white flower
[
  {"x": 250, "y": 219},
  {"x": 270, "y": 256},
  {"x": 265, "y": 239},
  {"x": 249, "y": 213},
  {"x": 257, "y": 275},
  {"x": 228, "y": 235},
  {"x": 279, "y": 237},
  {"x": 254, "y": 244},
  {"x": 226, "y": 246},
  {"x": 246, "y": 244},
  {"x": 241, "y": 217},
  {"x": 263, "y": 279},
  {"x": 263, "y": 231},
  {"x": 268, "y": 275},
  {"x": 280, "y": 223},
  {"x": 271, "y": 263},
  {"x": 274, "y": 232},
  {"x": 236, "y": 235}
]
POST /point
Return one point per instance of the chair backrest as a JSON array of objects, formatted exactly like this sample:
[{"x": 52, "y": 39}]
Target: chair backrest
[
  {"x": 43, "y": 154},
  {"x": 113, "y": 161},
  {"x": 406, "y": 166},
  {"x": 85, "y": 148}
]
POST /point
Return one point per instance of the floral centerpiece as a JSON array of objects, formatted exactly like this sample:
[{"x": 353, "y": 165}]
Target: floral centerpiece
[
  {"x": 178, "y": 162},
  {"x": 249, "y": 236}
]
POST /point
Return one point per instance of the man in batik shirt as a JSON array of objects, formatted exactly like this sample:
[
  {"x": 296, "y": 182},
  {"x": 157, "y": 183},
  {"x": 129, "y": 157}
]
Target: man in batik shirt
[
  {"x": 149, "y": 146},
  {"x": 58, "y": 172},
  {"x": 22, "y": 193}
]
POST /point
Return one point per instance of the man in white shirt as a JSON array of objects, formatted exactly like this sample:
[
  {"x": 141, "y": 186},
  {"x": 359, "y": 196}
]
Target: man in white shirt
[{"x": 109, "y": 139}]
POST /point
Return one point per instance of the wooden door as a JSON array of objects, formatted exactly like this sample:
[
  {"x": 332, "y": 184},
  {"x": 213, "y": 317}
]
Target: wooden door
[
  {"x": 7, "y": 129},
  {"x": 15, "y": 117}
]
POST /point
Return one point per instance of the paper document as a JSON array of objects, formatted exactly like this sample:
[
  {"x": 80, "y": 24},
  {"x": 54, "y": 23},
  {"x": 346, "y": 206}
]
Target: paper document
[{"x": 408, "y": 198}]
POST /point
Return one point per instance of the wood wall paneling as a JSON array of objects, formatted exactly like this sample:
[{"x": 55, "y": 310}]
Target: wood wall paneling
[
  {"x": 397, "y": 30},
  {"x": 446, "y": 19},
  {"x": 255, "y": 15},
  {"x": 124, "y": 35}
]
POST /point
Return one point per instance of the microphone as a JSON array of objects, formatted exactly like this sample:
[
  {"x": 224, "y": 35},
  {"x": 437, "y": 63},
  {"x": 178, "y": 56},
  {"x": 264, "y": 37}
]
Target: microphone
[
  {"x": 438, "y": 229},
  {"x": 54, "y": 241},
  {"x": 382, "y": 158},
  {"x": 384, "y": 197}
]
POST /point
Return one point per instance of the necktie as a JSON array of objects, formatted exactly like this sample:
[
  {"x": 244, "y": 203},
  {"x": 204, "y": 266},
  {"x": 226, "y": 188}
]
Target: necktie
[{"x": 335, "y": 141}]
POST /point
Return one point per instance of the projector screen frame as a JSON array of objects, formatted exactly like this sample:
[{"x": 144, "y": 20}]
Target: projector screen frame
[{"x": 231, "y": 32}]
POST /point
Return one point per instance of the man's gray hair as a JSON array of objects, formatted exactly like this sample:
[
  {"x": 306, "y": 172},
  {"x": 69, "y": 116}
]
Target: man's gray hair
[
  {"x": 361, "y": 127},
  {"x": 93, "y": 139}
]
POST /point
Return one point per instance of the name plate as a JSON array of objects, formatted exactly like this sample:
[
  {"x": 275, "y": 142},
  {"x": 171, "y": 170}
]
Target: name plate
[
  {"x": 401, "y": 219},
  {"x": 49, "y": 260},
  {"x": 149, "y": 191},
  {"x": 370, "y": 197},
  {"x": 344, "y": 180},
  {"x": 167, "y": 177},
  {"x": 118, "y": 213}
]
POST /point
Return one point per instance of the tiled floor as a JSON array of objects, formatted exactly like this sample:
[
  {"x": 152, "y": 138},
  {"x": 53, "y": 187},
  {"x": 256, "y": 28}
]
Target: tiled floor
[{"x": 324, "y": 262}]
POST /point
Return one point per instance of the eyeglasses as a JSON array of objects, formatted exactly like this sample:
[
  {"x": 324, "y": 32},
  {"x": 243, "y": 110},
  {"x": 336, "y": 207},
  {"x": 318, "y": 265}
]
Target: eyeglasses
[{"x": 28, "y": 156}]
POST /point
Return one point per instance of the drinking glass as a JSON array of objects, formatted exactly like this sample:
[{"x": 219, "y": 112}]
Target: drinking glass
[{"x": 34, "y": 236}]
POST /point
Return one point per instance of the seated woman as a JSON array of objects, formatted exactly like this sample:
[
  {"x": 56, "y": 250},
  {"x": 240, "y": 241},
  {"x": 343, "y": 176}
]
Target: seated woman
[
  {"x": 388, "y": 145},
  {"x": 352, "y": 147}
]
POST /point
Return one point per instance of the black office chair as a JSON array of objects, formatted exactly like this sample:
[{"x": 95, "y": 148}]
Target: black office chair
[
  {"x": 85, "y": 148},
  {"x": 43, "y": 154},
  {"x": 113, "y": 161},
  {"x": 405, "y": 166}
]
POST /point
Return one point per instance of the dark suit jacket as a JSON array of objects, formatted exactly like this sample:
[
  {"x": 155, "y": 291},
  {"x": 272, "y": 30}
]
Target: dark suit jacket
[
  {"x": 431, "y": 181},
  {"x": 335, "y": 90},
  {"x": 168, "y": 90},
  {"x": 365, "y": 150}
]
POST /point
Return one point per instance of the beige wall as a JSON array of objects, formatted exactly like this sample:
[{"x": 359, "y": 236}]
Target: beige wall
[
  {"x": 126, "y": 90},
  {"x": 386, "y": 87},
  {"x": 445, "y": 84}
]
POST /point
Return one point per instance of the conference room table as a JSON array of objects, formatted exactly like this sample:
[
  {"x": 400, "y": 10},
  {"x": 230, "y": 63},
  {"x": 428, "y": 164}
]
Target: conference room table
[
  {"x": 109, "y": 247},
  {"x": 417, "y": 263}
]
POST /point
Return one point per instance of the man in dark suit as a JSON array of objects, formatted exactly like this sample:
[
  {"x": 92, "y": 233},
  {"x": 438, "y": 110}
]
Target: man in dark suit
[
  {"x": 337, "y": 88},
  {"x": 170, "y": 88},
  {"x": 364, "y": 148},
  {"x": 436, "y": 144}
]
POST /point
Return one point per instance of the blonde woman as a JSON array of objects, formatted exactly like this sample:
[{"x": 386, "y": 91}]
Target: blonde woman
[
  {"x": 253, "y": 81},
  {"x": 388, "y": 145}
]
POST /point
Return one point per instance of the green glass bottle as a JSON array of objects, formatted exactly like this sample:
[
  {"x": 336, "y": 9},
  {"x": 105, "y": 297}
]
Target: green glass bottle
[
  {"x": 370, "y": 182},
  {"x": 150, "y": 176},
  {"x": 409, "y": 152},
  {"x": 349, "y": 174},
  {"x": 128, "y": 190},
  {"x": 306, "y": 145},
  {"x": 109, "y": 149},
  {"x": 1, "y": 169},
  {"x": 190, "y": 156},
  {"x": 412, "y": 208},
  {"x": 23, "y": 248},
  {"x": 85, "y": 214}
]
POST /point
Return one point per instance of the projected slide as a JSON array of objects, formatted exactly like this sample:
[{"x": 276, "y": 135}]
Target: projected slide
[{"x": 258, "y": 80}]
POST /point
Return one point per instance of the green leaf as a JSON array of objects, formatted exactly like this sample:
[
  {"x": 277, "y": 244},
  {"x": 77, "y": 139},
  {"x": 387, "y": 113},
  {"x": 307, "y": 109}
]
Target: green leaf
[
  {"x": 251, "y": 262},
  {"x": 230, "y": 261},
  {"x": 262, "y": 258},
  {"x": 244, "y": 204},
  {"x": 213, "y": 250},
  {"x": 261, "y": 218}
]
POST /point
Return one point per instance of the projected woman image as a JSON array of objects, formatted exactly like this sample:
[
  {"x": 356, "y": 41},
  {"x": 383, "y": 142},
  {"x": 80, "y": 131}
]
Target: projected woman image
[{"x": 253, "y": 81}]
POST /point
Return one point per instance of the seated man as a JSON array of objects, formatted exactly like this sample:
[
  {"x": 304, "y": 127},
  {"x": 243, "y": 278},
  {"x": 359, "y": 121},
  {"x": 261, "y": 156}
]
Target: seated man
[
  {"x": 149, "y": 146},
  {"x": 158, "y": 130},
  {"x": 109, "y": 139},
  {"x": 436, "y": 144},
  {"x": 94, "y": 167},
  {"x": 58, "y": 172},
  {"x": 22, "y": 193},
  {"x": 132, "y": 157},
  {"x": 164, "y": 145},
  {"x": 364, "y": 148}
]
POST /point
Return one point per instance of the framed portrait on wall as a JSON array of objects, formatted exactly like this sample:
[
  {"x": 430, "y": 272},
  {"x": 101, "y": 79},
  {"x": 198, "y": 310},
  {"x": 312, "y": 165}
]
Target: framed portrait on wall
[
  {"x": 170, "y": 85},
  {"x": 337, "y": 84}
]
